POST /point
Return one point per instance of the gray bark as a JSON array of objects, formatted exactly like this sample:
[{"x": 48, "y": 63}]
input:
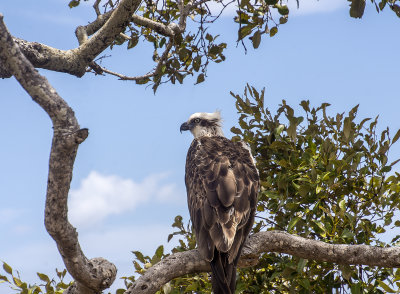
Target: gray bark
[
  {"x": 190, "y": 262},
  {"x": 75, "y": 61},
  {"x": 93, "y": 275}
]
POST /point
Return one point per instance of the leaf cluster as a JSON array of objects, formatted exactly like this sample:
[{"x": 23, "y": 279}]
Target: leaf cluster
[
  {"x": 48, "y": 286},
  {"x": 191, "y": 51},
  {"x": 195, "y": 283},
  {"x": 323, "y": 177}
]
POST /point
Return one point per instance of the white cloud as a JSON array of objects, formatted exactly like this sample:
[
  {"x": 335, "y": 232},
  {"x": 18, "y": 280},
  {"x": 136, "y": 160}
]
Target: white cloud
[{"x": 100, "y": 196}]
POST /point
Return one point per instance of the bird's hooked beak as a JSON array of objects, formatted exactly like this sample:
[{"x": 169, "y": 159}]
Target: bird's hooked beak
[{"x": 184, "y": 127}]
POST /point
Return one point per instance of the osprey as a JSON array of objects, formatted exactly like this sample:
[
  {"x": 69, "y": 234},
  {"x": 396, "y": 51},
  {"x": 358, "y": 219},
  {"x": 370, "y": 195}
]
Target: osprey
[{"x": 222, "y": 186}]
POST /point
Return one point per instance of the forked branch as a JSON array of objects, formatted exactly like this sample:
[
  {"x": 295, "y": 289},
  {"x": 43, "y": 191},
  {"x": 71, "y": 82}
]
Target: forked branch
[{"x": 91, "y": 276}]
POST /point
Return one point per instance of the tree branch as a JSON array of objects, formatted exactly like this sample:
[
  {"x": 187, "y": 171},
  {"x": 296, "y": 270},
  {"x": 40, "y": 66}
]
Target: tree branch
[
  {"x": 103, "y": 31},
  {"x": 94, "y": 275},
  {"x": 190, "y": 262},
  {"x": 160, "y": 28},
  {"x": 75, "y": 61}
]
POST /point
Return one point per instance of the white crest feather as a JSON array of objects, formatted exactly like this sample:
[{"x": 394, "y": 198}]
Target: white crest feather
[{"x": 200, "y": 131}]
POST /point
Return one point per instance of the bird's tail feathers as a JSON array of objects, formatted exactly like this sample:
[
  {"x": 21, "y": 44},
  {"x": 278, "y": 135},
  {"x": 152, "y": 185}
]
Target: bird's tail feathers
[{"x": 223, "y": 274}]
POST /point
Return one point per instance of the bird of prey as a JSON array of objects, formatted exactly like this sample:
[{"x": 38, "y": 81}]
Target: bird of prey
[{"x": 222, "y": 186}]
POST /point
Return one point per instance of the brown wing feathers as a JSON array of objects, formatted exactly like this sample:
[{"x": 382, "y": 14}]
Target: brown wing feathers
[{"x": 222, "y": 186}]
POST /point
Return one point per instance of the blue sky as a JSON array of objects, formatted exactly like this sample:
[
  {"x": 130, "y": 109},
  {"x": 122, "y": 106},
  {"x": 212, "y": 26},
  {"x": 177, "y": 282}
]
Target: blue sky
[{"x": 128, "y": 178}]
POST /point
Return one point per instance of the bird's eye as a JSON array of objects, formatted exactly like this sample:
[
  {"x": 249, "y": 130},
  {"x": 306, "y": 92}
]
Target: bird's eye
[{"x": 197, "y": 120}]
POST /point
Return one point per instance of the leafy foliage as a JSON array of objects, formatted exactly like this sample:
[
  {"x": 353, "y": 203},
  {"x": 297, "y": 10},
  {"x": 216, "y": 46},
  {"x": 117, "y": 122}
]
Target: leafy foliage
[
  {"x": 185, "y": 284},
  {"x": 325, "y": 178},
  {"x": 48, "y": 286},
  {"x": 190, "y": 52}
]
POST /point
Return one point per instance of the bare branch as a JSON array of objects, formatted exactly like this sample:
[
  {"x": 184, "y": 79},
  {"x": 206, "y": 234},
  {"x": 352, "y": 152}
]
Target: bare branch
[
  {"x": 96, "y": 7},
  {"x": 127, "y": 78},
  {"x": 115, "y": 25},
  {"x": 155, "y": 72},
  {"x": 158, "y": 27},
  {"x": 190, "y": 262},
  {"x": 282, "y": 242},
  {"x": 94, "y": 275}
]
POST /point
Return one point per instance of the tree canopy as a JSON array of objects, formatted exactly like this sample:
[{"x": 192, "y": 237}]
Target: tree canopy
[{"x": 328, "y": 191}]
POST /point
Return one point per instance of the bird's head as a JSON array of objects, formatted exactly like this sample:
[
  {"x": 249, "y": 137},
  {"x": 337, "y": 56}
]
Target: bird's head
[{"x": 203, "y": 124}]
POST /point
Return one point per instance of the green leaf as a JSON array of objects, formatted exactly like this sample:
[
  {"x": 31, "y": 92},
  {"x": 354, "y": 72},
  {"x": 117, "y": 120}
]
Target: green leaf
[
  {"x": 43, "y": 277},
  {"x": 162, "y": 42},
  {"x": 342, "y": 205},
  {"x": 355, "y": 288},
  {"x": 200, "y": 79},
  {"x": 133, "y": 41},
  {"x": 347, "y": 234},
  {"x": 244, "y": 31},
  {"x": 282, "y": 9},
  {"x": 347, "y": 128},
  {"x": 386, "y": 287},
  {"x": 396, "y": 137},
  {"x": 300, "y": 266},
  {"x": 346, "y": 271},
  {"x": 17, "y": 282},
  {"x": 283, "y": 19},
  {"x": 160, "y": 251},
  {"x": 291, "y": 131},
  {"x": 271, "y": 2},
  {"x": 386, "y": 169},
  {"x": 256, "y": 39},
  {"x": 357, "y": 8},
  {"x": 7, "y": 268},
  {"x": 273, "y": 31},
  {"x": 3, "y": 279},
  {"x": 137, "y": 266},
  {"x": 139, "y": 256},
  {"x": 73, "y": 3},
  {"x": 382, "y": 4},
  {"x": 236, "y": 131},
  {"x": 197, "y": 63},
  {"x": 292, "y": 223},
  {"x": 396, "y": 9},
  {"x": 177, "y": 222},
  {"x": 305, "y": 283}
]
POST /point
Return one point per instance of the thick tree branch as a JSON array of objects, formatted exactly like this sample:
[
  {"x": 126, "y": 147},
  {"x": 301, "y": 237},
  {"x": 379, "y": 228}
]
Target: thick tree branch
[
  {"x": 160, "y": 28},
  {"x": 190, "y": 262},
  {"x": 104, "y": 37},
  {"x": 94, "y": 275},
  {"x": 75, "y": 61},
  {"x": 282, "y": 242},
  {"x": 103, "y": 31}
]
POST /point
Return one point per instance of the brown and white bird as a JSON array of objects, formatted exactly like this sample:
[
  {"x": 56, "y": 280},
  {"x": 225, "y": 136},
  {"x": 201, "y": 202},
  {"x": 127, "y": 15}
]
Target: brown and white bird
[{"x": 222, "y": 187}]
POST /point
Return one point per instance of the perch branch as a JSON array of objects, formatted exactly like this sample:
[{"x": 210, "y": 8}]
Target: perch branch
[{"x": 190, "y": 262}]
